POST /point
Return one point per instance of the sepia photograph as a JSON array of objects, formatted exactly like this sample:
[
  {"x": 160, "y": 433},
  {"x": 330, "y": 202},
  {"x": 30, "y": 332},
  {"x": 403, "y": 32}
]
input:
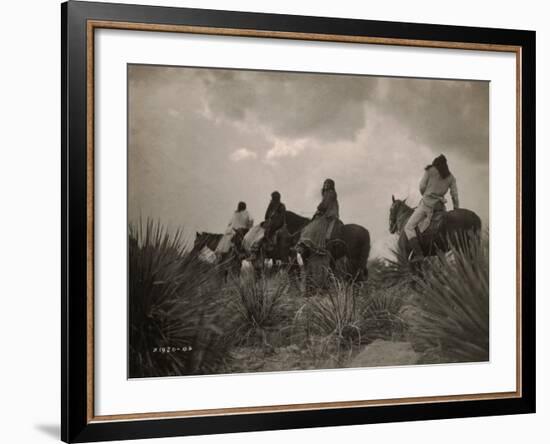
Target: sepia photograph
[{"x": 297, "y": 221}]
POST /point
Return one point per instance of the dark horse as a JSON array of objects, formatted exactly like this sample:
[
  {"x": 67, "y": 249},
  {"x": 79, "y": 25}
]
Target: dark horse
[
  {"x": 280, "y": 249},
  {"x": 286, "y": 239},
  {"x": 349, "y": 241},
  {"x": 453, "y": 224}
]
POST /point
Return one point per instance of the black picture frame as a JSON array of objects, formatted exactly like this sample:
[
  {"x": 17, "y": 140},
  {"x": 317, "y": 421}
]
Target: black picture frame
[{"x": 76, "y": 423}]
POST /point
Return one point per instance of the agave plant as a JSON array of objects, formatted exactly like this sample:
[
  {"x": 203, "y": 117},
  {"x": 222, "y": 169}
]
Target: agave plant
[
  {"x": 174, "y": 321},
  {"x": 381, "y": 312},
  {"x": 258, "y": 304},
  {"x": 454, "y": 315},
  {"x": 336, "y": 314},
  {"x": 386, "y": 273}
]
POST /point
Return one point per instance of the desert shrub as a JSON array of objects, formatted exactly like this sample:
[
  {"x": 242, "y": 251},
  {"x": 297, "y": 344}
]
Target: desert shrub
[
  {"x": 453, "y": 322},
  {"x": 336, "y": 314},
  {"x": 175, "y": 327},
  {"x": 386, "y": 273},
  {"x": 258, "y": 304},
  {"x": 381, "y": 313}
]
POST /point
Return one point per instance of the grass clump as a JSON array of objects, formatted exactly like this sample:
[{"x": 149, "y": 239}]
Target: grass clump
[
  {"x": 382, "y": 313},
  {"x": 337, "y": 314},
  {"x": 258, "y": 304}
]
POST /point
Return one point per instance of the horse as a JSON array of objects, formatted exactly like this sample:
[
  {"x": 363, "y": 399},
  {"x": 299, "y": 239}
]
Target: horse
[
  {"x": 230, "y": 262},
  {"x": 279, "y": 249},
  {"x": 286, "y": 239},
  {"x": 454, "y": 225},
  {"x": 204, "y": 239},
  {"x": 349, "y": 241}
]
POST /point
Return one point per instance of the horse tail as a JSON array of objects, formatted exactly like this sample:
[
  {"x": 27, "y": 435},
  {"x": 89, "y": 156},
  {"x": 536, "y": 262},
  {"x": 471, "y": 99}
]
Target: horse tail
[
  {"x": 474, "y": 223},
  {"x": 477, "y": 225},
  {"x": 476, "y": 231},
  {"x": 462, "y": 225}
]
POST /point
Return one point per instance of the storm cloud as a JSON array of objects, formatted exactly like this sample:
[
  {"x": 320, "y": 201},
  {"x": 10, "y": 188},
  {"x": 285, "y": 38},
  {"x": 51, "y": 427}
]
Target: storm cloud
[{"x": 202, "y": 139}]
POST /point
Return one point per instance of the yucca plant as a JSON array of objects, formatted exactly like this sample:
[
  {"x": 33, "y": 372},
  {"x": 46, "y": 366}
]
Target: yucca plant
[
  {"x": 381, "y": 313},
  {"x": 385, "y": 273},
  {"x": 336, "y": 314},
  {"x": 258, "y": 304},
  {"x": 454, "y": 293},
  {"x": 174, "y": 321}
]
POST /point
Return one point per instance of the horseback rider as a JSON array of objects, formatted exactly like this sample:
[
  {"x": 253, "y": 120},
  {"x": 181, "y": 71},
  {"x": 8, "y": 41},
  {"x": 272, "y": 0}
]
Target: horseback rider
[
  {"x": 274, "y": 215},
  {"x": 329, "y": 207},
  {"x": 435, "y": 183},
  {"x": 239, "y": 219},
  {"x": 274, "y": 220},
  {"x": 319, "y": 230}
]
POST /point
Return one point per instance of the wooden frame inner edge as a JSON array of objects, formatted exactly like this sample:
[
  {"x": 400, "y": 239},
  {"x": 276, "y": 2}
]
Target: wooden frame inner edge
[{"x": 90, "y": 28}]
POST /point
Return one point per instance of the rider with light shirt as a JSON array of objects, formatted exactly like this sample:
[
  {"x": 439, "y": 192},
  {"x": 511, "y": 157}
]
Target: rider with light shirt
[{"x": 435, "y": 183}]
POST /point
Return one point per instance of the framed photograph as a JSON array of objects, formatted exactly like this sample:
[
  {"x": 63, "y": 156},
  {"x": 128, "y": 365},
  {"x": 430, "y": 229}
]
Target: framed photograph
[{"x": 276, "y": 221}]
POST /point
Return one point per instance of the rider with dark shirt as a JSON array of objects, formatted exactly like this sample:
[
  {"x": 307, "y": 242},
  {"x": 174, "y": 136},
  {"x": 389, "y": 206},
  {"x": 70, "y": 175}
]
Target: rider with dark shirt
[
  {"x": 274, "y": 215},
  {"x": 274, "y": 219}
]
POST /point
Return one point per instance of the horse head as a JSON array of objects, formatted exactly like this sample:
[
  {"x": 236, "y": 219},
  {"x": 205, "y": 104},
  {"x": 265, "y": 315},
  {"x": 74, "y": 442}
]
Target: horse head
[
  {"x": 199, "y": 240},
  {"x": 205, "y": 239},
  {"x": 397, "y": 207},
  {"x": 295, "y": 222}
]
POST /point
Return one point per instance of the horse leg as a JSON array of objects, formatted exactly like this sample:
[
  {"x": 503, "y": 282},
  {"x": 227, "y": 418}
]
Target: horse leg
[
  {"x": 360, "y": 272},
  {"x": 361, "y": 264},
  {"x": 354, "y": 269},
  {"x": 296, "y": 273},
  {"x": 257, "y": 265},
  {"x": 227, "y": 273},
  {"x": 332, "y": 266},
  {"x": 403, "y": 247},
  {"x": 237, "y": 267}
]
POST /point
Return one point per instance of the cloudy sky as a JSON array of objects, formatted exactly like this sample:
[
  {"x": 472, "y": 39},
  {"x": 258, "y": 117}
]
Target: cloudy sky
[{"x": 202, "y": 139}]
